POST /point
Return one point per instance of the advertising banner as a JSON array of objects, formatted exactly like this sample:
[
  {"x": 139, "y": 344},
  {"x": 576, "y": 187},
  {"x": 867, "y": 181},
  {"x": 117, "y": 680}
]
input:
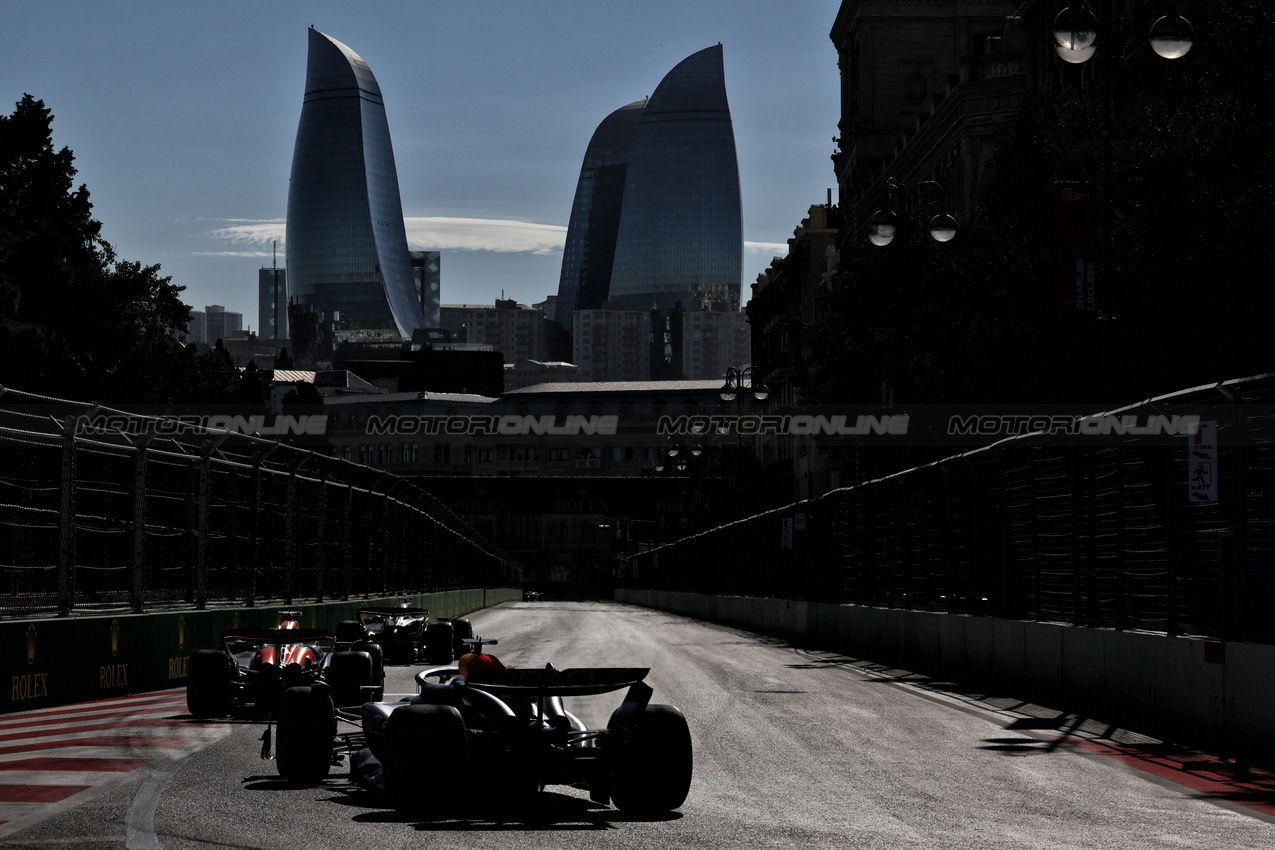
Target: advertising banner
[{"x": 1077, "y": 214}]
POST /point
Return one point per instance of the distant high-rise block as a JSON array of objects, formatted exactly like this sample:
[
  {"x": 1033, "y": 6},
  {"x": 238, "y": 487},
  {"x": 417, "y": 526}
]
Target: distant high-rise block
[
  {"x": 427, "y": 274},
  {"x": 272, "y": 304},
  {"x": 346, "y": 243},
  {"x": 656, "y": 217},
  {"x": 220, "y": 323}
]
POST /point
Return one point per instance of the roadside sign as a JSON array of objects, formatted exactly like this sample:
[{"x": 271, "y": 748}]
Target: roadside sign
[{"x": 1202, "y": 463}]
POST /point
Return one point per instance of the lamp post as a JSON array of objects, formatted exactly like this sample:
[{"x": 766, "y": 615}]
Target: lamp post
[
  {"x": 885, "y": 223},
  {"x": 733, "y": 389},
  {"x": 737, "y": 382},
  {"x": 1079, "y": 34}
]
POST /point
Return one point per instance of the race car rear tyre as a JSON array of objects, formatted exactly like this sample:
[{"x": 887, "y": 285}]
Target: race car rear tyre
[
  {"x": 307, "y": 726},
  {"x": 438, "y": 643},
  {"x": 348, "y": 673},
  {"x": 208, "y": 683},
  {"x": 651, "y": 762},
  {"x": 461, "y": 629},
  {"x": 378, "y": 666},
  {"x": 426, "y": 747}
]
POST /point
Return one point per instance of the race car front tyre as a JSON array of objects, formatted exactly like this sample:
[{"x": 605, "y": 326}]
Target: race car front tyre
[
  {"x": 425, "y": 746},
  {"x": 307, "y": 726},
  {"x": 651, "y": 761},
  {"x": 348, "y": 673},
  {"x": 378, "y": 666},
  {"x": 438, "y": 643},
  {"x": 208, "y": 683}
]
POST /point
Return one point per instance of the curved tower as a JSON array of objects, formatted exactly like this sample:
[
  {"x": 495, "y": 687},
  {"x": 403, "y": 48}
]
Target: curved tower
[
  {"x": 346, "y": 244},
  {"x": 681, "y": 233},
  {"x": 656, "y": 217},
  {"x": 595, "y": 214}
]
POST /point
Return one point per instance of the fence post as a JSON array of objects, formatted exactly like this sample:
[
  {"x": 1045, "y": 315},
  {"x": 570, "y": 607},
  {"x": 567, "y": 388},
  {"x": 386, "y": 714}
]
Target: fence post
[
  {"x": 201, "y": 527},
  {"x": 318, "y": 555},
  {"x": 347, "y": 511},
  {"x": 232, "y": 534},
  {"x": 289, "y": 531},
  {"x": 254, "y": 547},
  {"x": 66, "y": 528},
  {"x": 139, "y": 520},
  {"x": 385, "y": 542}
]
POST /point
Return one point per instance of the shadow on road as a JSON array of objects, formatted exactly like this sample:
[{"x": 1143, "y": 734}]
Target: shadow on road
[{"x": 550, "y": 812}]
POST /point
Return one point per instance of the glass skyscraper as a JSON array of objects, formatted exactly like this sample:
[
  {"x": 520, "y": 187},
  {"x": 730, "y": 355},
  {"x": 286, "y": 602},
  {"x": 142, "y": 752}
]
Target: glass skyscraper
[
  {"x": 346, "y": 244},
  {"x": 656, "y": 216}
]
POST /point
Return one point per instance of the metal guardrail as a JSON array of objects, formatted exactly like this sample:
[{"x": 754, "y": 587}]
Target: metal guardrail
[
  {"x": 1032, "y": 527},
  {"x": 104, "y": 510}
]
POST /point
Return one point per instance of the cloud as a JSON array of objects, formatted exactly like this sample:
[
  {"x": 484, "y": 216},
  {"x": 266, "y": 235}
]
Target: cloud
[
  {"x": 438, "y": 233},
  {"x": 484, "y": 234},
  {"x": 433, "y": 233},
  {"x": 251, "y": 231},
  {"x": 773, "y": 248},
  {"x": 234, "y": 254}
]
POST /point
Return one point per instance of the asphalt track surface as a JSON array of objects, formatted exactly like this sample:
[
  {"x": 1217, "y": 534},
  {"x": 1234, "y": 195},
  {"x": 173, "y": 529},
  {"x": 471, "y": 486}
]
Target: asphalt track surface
[{"x": 793, "y": 748}]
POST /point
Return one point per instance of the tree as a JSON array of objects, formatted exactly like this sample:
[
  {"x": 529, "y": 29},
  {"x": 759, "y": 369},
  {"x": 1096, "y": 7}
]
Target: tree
[{"x": 76, "y": 321}]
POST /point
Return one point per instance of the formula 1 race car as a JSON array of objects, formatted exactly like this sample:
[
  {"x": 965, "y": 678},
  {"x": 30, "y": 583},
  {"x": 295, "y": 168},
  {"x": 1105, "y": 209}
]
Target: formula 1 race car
[
  {"x": 406, "y": 634},
  {"x": 255, "y": 667},
  {"x": 481, "y": 724}
]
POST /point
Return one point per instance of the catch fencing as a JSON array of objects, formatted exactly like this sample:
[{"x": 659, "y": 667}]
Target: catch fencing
[
  {"x": 108, "y": 511},
  {"x": 1104, "y": 533}
]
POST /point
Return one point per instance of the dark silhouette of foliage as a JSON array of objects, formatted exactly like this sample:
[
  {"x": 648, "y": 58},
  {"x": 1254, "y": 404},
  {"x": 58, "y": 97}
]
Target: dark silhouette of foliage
[{"x": 75, "y": 320}]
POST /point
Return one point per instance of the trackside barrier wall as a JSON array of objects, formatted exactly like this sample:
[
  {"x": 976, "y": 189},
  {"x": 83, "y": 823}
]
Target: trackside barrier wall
[
  {"x": 67, "y": 660},
  {"x": 1189, "y": 689}
]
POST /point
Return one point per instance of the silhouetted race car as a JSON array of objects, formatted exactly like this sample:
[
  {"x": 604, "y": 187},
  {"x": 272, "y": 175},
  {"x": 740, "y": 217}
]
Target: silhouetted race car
[
  {"x": 482, "y": 725},
  {"x": 405, "y": 634},
  {"x": 255, "y": 666}
]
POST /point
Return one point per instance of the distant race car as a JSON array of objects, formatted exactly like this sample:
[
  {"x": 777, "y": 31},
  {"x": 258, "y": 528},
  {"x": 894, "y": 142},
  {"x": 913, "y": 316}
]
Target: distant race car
[
  {"x": 482, "y": 725},
  {"x": 406, "y": 634},
  {"x": 255, "y": 666}
]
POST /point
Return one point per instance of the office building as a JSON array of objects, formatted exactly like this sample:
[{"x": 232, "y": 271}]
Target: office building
[
  {"x": 713, "y": 340},
  {"x": 220, "y": 323},
  {"x": 347, "y": 246},
  {"x": 427, "y": 275},
  {"x": 656, "y": 216},
  {"x": 197, "y": 329},
  {"x": 515, "y": 330},
  {"x": 612, "y": 343},
  {"x": 272, "y": 304}
]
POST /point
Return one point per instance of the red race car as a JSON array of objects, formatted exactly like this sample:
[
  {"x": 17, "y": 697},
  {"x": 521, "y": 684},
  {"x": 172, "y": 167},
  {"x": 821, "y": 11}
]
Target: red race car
[{"x": 253, "y": 667}]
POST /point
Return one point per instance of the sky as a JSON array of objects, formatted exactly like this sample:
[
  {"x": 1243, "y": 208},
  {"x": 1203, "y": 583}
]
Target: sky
[{"x": 182, "y": 119}]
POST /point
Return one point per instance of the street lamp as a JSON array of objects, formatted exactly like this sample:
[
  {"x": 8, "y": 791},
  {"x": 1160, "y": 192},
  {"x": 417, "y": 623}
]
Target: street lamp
[
  {"x": 885, "y": 222},
  {"x": 1077, "y": 33},
  {"x": 735, "y": 384}
]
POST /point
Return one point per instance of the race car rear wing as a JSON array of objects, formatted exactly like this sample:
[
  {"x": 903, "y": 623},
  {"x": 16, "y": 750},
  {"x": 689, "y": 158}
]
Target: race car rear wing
[
  {"x": 394, "y": 612},
  {"x": 577, "y": 681},
  {"x": 278, "y": 635}
]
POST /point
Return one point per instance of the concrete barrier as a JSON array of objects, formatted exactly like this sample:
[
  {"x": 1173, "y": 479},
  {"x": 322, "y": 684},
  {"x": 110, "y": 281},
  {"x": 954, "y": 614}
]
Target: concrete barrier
[
  {"x": 1213, "y": 694},
  {"x": 59, "y": 661}
]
